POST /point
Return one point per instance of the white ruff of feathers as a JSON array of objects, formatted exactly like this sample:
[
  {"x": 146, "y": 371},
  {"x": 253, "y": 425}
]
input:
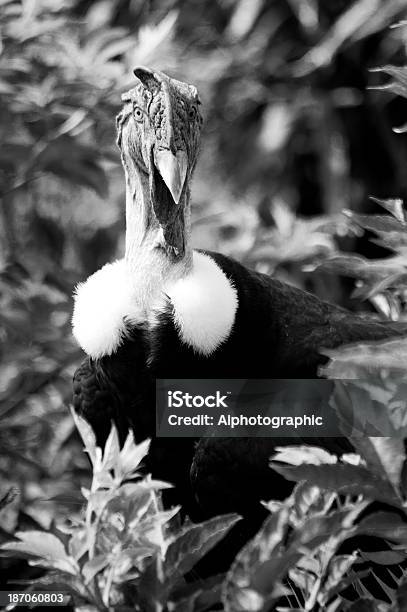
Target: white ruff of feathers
[
  {"x": 103, "y": 305},
  {"x": 107, "y": 306},
  {"x": 205, "y": 304}
]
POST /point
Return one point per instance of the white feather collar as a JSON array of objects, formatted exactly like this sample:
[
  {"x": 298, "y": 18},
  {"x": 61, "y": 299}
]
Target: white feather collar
[{"x": 106, "y": 304}]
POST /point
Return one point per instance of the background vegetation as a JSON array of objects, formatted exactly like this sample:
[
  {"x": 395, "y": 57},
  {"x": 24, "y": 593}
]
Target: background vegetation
[{"x": 296, "y": 131}]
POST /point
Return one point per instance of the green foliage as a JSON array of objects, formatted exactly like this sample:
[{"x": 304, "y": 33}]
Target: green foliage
[
  {"x": 123, "y": 550},
  {"x": 284, "y": 88},
  {"x": 376, "y": 474},
  {"x": 382, "y": 281}
]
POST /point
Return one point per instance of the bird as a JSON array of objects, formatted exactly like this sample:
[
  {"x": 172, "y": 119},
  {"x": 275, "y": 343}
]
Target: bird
[{"x": 167, "y": 311}]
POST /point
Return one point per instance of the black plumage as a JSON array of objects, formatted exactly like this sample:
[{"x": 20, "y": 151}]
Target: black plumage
[{"x": 279, "y": 332}]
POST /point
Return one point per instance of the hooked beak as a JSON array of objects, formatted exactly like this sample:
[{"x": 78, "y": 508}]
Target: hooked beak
[{"x": 173, "y": 169}]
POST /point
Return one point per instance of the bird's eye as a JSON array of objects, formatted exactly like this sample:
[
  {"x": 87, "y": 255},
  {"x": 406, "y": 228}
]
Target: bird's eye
[
  {"x": 138, "y": 113},
  {"x": 192, "y": 112}
]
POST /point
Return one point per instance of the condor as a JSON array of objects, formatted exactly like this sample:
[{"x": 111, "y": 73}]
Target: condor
[{"x": 167, "y": 311}]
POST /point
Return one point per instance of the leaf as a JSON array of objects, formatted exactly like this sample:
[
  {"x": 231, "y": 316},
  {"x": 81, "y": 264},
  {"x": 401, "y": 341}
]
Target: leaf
[
  {"x": 99, "y": 499},
  {"x": 115, "y": 47},
  {"x": 394, "y": 206},
  {"x": 366, "y": 360},
  {"x": 46, "y": 546},
  {"x": 384, "y": 456},
  {"x": 384, "y": 557},
  {"x": 194, "y": 542},
  {"x": 338, "y": 567},
  {"x": 310, "y": 499},
  {"x": 362, "y": 605},
  {"x": 237, "y": 591},
  {"x": 368, "y": 408},
  {"x": 94, "y": 566},
  {"x": 335, "y": 526},
  {"x": 399, "y": 83},
  {"x": 55, "y": 581},
  {"x": 302, "y": 579},
  {"x": 380, "y": 224},
  {"x": 243, "y": 18},
  {"x": 150, "y": 588},
  {"x": 359, "y": 267},
  {"x": 371, "y": 288},
  {"x": 199, "y": 596},
  {"x": 386, "y": 525},
  {"x": 9, "y": 497},
  {"x": 297, "y": 455},
  {"x": 111, "y": 451},
  {"x": 402, "y": 594},
  {"x": 78, "y": 163},
  {"x": 78, "y": 544},
  {"x": 72, "y": 122},
  {"x": 131, "y": 455},
  {"x": 87, "y": 435},
  {"x": 151, "y": 37},
  {"x": 343, "y": 479}
]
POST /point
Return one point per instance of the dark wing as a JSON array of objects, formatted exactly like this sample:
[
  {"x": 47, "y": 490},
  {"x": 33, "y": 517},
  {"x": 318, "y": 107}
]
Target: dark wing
[
  {"x": 120, "y": 389},
  {"x": 280, "y": 330},
  {"x": 95, "y": 400},
  {"x": 117, "y": 388}
]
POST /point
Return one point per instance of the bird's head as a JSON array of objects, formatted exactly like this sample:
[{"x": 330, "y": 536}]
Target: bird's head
[{"x": 158, "y": 135}]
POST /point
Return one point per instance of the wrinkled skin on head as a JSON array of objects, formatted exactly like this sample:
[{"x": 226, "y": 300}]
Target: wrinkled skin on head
[{"x": 158, "y": 133}]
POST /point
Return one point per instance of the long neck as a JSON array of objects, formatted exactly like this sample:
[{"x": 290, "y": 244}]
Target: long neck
[{"x": 151, "y": 266}]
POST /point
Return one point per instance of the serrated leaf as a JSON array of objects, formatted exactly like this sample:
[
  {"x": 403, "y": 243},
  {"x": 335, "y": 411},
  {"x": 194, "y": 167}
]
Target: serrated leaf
[
  {"x": 94, "y": 566},
  {"x": 359, "y": 267},
  {"x": 194, "y": 542},
  {"x": 251, "y": 559},
  {"x": 297, "y": 455},
  {"x": 366, "y": 360},
  {"x": 131, "y": 455},
  {"x": 87, "y": 435},
  {"x": 394, "y": 206},
  {"x": 99, "y": 499},
  {"x": 380, "y": 224},
  {"x": 384, "y": 456},
  {"x": 47, "y": 547},
  {"x": 111, "y": 451},
  {"x": 343, "y": 479}
]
